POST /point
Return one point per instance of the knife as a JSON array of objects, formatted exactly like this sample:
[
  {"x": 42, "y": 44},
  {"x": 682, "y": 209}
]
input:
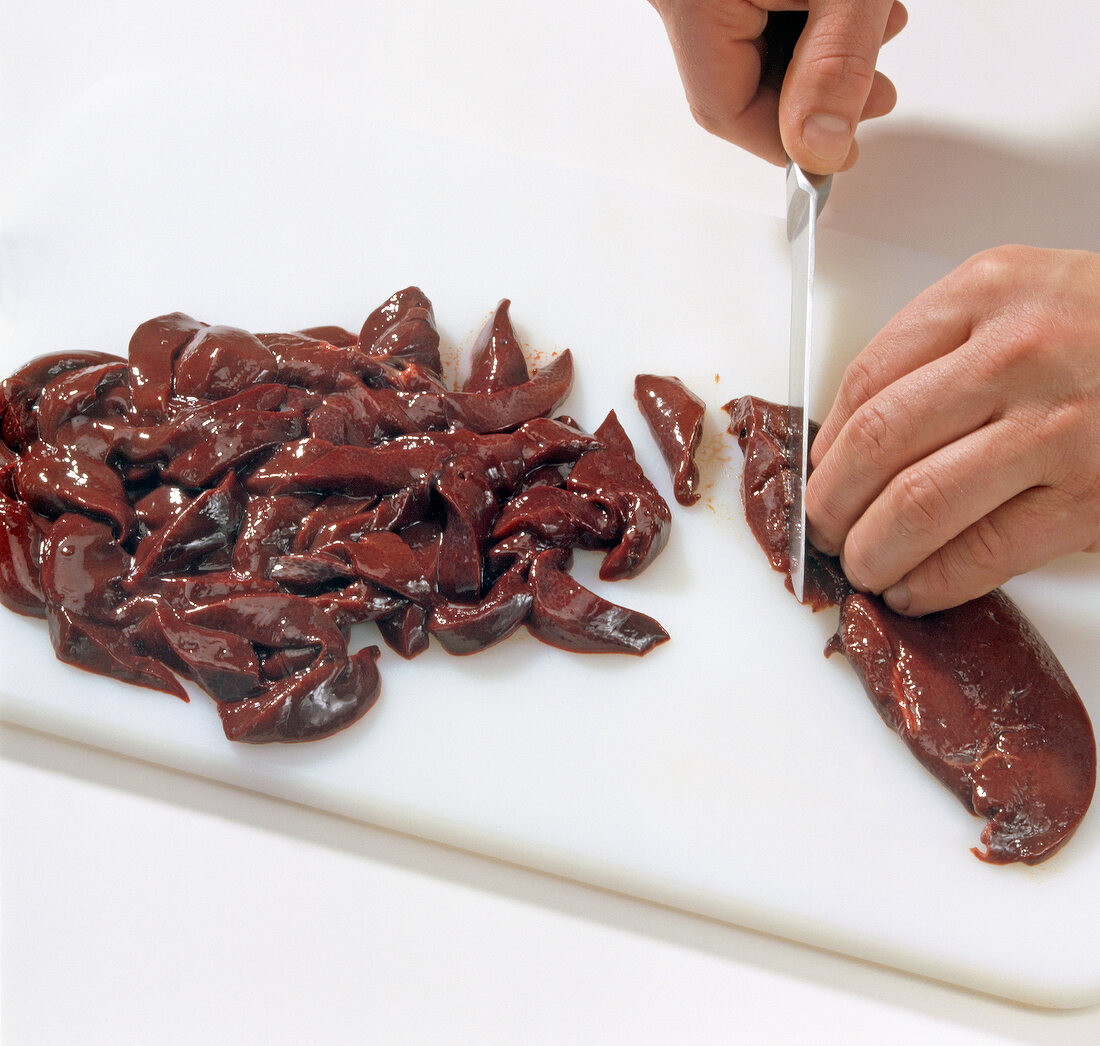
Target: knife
[{"x": 806, "y": 195}]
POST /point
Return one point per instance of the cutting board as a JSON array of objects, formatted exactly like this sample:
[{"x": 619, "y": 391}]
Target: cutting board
[{"x": 733, "y": 772}]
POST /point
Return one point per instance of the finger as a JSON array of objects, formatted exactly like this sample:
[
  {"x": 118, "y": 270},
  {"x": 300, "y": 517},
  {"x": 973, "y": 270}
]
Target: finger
[
  {"x": 896, "y": 21},
  {"x": 1033, "y": 528},
  {"x": 932, "y": 325},
  {"x": 719, "y": 60},
  {"x": 829, "y": 80},
  {"x": 911, "y": 419},
  {"x": 881, "y": 99},
  {"x": 927, "y": 506},
  {"x": 880, "y": 102}
]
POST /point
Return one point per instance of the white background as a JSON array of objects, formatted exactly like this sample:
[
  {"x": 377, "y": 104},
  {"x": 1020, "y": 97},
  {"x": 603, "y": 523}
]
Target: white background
[{"x": 140, "y": 905}]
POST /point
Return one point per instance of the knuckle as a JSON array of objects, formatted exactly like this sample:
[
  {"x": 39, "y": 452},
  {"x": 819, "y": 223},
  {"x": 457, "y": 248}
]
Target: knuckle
[
  {"x": 1014, "y": 303},
  {"x": 923, "y": 506},
  {"x": 939, "y": 574},
  {"x": 967, "y": 567},
  {"x": 873, "y": 434},
  {"x": 1064, "y": 464},
  {"x": 862, "y": 379},
  {"x": 1026, "y": 343},
  {"x": 984, "y": 546},
  {"x": 986, "y": 266},
  {"x": 1074, "y": 509},
  {"x": 843, "y": 57},
  {"x": 943, "y": 580},
  {"x": 841, "y": 69},
  {"x": 997, "y": 266}
]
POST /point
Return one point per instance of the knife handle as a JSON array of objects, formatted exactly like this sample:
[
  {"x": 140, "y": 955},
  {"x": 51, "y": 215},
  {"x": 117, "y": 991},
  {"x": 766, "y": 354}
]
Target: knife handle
[{"x": 781, "y": 33}]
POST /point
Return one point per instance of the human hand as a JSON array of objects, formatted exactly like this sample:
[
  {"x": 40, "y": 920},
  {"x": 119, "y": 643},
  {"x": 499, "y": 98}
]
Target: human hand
[
  {"x": 964, "y": 445},
  {"x": 808, "y": 110}
]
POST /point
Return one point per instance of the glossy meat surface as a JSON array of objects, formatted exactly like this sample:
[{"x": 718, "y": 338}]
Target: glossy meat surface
[
  {"x": 224, "y": 507},
  {"x": 675, "y": 417},
  {"x": 568, "y": 615},
  {"x": 762, "y": 430},
  {"x": 975, "y": 692},
  {"x": 983, "y": 703}
]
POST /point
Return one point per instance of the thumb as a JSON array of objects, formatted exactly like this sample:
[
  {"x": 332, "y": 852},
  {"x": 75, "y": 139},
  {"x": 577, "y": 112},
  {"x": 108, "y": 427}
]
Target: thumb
[{"x": 830, "y": 81}]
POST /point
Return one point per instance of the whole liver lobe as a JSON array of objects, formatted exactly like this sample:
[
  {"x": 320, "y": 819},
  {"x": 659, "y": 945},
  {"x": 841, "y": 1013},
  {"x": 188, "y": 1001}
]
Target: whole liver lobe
[{"x": 975, "y": 692}]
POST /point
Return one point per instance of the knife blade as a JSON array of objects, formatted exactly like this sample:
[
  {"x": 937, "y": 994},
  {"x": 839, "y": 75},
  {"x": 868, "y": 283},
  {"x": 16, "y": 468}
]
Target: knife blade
[{"x": 806, "y": 195}]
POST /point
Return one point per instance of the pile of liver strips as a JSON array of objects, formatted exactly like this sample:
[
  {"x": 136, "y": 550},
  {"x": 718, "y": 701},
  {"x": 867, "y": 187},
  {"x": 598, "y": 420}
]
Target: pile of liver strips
[{"x": 224, "y": 506}]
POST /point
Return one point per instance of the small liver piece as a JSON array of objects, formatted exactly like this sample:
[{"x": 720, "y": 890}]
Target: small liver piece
[
  {"x": 675, "y": 417},
  {"x": 762, "y": 430},
  {"x": 570, "y": 616}
]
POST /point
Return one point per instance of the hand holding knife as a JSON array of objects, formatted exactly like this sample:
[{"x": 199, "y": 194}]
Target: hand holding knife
[{"x": 789, "y": 80}]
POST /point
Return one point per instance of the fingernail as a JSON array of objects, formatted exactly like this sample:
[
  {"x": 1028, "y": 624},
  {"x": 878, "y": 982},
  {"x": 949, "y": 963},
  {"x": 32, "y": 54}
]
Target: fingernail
[
  {"x": 827, "y": 137},
  {"x": 898, "y": 597}
]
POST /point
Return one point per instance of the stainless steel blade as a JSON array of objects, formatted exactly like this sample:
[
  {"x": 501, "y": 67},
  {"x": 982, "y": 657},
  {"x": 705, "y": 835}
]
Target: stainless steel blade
[{"x": 806, "y": 195}]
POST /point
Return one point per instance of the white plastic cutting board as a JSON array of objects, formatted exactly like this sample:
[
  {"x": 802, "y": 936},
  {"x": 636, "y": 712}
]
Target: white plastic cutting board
[{"x": 733, "y": 772}]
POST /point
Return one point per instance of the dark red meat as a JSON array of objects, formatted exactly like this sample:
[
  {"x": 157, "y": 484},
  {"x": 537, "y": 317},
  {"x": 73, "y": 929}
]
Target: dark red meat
[
  {"x": 496, "y": 359},
  {"x": 224, "y": 506},
  {"x": 762, "y": 430},
  {"x": 568, "y": 615},
  {"x": 675, "y": 417},
  {"x": 983, "y": 703},
  {"x": 613, "y": 479}
]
